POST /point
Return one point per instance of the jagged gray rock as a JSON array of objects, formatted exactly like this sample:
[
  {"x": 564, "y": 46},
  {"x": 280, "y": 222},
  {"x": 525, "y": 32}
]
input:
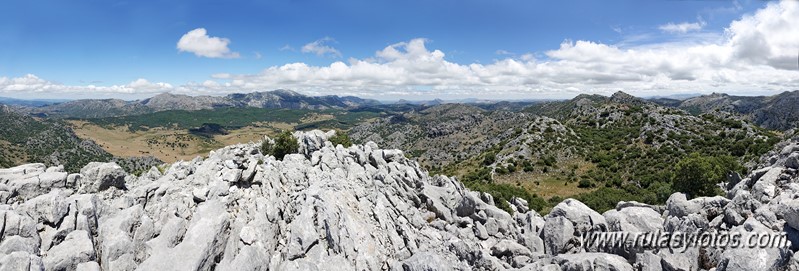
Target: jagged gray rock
[
  {"x": 356, "y": 208},
  {"x": 634, "y": 219},
  {"x": 97, "y": 177},
  {"x": 77, "y": 248}
]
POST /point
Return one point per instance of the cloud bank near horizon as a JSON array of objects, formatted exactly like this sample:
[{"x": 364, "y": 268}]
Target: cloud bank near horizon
[{"x": 757, "y": 52}]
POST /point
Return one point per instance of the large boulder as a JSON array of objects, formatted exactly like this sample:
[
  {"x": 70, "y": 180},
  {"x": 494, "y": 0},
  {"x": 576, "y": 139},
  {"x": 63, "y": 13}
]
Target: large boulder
[
  {"x": 773, "y": 256},
  {"x": 97, "y": 177},
  {"x": 558, "y": 235},
  {"x": 634, "y": 219},
  {"x": 679, "y": 206},
  {"x": 792, "y": 161},
  {"x": 77, "y": 248},
  {"x": 584, "y": 218}
]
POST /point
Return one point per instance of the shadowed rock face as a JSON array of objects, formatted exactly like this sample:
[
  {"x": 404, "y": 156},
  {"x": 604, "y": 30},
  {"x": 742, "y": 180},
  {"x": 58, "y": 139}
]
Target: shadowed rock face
[{"x": 356, "y": 208}]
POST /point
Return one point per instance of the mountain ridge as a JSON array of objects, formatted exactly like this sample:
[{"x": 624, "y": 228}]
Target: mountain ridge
[
  {"x": 277, "y": 99},
  {"x": 777, "y": 112}
]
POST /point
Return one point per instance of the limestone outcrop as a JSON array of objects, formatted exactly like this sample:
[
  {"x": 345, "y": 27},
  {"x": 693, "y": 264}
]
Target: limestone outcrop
[{"x": 357, "y": 208}]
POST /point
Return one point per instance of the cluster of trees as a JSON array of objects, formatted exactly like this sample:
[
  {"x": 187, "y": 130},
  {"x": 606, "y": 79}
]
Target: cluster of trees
[{"x": 634, "y": 163}]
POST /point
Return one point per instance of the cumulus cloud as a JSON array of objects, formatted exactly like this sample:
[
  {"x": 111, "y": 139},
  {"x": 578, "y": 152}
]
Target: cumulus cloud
[
  {"x": 755, "y": 54},
  {"x": 198, "y": 42},
  {"x": 320, "y": 48},
  {"x": 32, "y": 84},
  {"x": 682, "y": 28}
]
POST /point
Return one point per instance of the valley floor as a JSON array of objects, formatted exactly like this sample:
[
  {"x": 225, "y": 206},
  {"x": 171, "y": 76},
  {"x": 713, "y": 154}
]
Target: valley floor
[{"x": 168, "y": 145}]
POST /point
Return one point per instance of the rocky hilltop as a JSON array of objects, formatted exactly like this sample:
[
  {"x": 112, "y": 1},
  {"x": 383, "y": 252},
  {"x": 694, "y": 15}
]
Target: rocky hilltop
[
  {"x": 778, "y": 112},
  {"x": 441, "y": 135},
  {"x": 357, "y": 208}
]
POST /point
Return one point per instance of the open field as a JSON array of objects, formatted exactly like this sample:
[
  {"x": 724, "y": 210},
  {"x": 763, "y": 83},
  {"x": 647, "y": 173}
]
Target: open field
[
  {"x": 170, "y": 141},
  {"x": 166, "y": 134},
  {"x": 552, "y": 183},
  {"x": 168, "y": 144}
]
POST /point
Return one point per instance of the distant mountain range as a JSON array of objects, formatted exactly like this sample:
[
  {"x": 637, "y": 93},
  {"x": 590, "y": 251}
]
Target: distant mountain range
[
  {"x": 35, "y": 102},
  {"x": 283, "y": 99},
  {"x": 777, "y": 112}
]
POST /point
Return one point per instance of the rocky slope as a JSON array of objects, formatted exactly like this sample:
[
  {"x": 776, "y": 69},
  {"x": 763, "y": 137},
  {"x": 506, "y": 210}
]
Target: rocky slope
[
  {"x": 356, "y": 208},
  {"x": 284, "y": 99},
  {"x": 777, "y": 112},
  {"x": 596, "y": 148},
  {"x": 442, "y": 135}
]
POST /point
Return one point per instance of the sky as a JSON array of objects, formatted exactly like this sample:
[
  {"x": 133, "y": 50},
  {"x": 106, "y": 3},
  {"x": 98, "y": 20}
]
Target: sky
[{"x": 389, "y": 50}]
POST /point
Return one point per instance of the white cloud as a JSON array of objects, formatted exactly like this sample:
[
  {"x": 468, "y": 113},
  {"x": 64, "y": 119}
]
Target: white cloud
[
  {"x": 320, "y": 48},
  {"x": 755, "y": 54},
  {"x": 198, "y": 42},
  {"x": 31, "y": 84},
  {"x": 682, "y": 28}
]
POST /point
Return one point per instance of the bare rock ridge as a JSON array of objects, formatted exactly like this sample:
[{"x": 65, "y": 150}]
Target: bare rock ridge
[{"x": 357, "y": 208}]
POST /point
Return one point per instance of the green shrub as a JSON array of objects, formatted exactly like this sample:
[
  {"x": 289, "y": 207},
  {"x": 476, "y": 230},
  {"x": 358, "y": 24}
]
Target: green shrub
[
  {"x": 698, "y": 176},
  {"x": 584, "y": 183},
  {"x": 504, "y": 192},
  {"x": 489, "y": 158},
  {"x": 285, "y": 143},
  {"x": 527, "y": 166},
  {"x": 511, "y": 168},
  {"x": 341, "y": 138},
  {"x": 502, "y": 170},
  {"x": 549, "y": 160},
  {"x": 481, "y": 175}
]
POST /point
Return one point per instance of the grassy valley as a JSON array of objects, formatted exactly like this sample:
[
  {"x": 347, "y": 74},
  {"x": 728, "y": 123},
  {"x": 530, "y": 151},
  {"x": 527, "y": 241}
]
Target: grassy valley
[
  {"x": 25, "y": 139},
  {"x": 182, "y": 135}
]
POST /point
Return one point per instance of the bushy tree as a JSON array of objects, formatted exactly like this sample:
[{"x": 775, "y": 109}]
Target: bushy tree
[
  {"x": 283, "y": 144},
  {"x": 489, "y": 158},
  {"x": 341, "y": 138},
  {"x": 698, "y": 176},
  {"x": 584, "y": 183}
]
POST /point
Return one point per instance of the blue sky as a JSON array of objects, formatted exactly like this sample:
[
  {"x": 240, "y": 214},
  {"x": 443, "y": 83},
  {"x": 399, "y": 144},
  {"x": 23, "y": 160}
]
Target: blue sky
[{"x": 103, "y": 48}]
